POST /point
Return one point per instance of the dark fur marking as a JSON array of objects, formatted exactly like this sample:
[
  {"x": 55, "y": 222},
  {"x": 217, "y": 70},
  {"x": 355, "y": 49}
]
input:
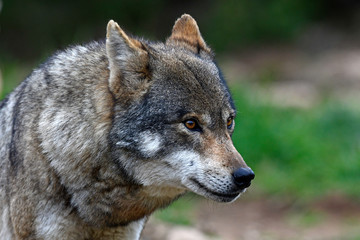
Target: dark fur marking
[
  {"x": 15, "y": 157},
  {"x": 7, "y": 190},
  {"x": 115, "y": 225},
  {"x": 223, "y": 82},
  {"x": 198, "y": 48},
  {"x": 3, "y": 102},
  {"x": 68, "y": 202},
  {"x": 123, "y": 172},
  {"x": 95, "y": 173},
  {"x": 47, "y": 76},
  {"x": 169, "y": 165}
]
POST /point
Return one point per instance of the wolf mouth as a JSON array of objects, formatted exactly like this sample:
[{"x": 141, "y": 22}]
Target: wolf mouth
[{"x": 229, "y": 196}]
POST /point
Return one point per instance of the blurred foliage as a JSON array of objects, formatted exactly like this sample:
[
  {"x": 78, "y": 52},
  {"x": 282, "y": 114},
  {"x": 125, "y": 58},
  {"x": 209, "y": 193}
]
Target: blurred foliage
[
  {"x": 180, "y": 212},
  {"x": 304, "y": 153},
  {"x": 247, "y": 22},
  {"x": 12, "y": 72},
  {"x": 32, "y": 29}
]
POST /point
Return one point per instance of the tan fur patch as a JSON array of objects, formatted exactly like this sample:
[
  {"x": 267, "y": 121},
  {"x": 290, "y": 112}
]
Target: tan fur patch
[
  {"x": 224, "y": 152},
  {"x": 104, "y": 104},
  {"x": 186, "y": 32},
  {"x": 133, "y": 43}
]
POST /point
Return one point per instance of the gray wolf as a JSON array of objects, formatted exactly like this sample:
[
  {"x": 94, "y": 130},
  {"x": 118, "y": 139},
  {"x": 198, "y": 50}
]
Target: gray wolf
[{"x": 101, "y": 135}]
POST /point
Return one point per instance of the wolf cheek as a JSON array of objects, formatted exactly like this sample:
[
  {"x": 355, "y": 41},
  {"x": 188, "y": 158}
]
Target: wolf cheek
[
  {"x": 204, "y": 176},
  {"x": 218, "y": 174}
]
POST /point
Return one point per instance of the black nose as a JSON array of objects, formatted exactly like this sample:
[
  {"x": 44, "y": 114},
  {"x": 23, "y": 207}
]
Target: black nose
[{"x": 243, "y": 177}]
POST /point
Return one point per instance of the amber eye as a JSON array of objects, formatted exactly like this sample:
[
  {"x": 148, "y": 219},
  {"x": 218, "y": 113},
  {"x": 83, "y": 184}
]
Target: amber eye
[
  {"x": 192, "y": 125},
  {"x": 230, "y": 123}
]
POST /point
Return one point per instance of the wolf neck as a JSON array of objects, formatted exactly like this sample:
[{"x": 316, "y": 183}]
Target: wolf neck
[
  {"x": 148, "y": 199},
  {"x": 133, "y": 211},
  {"x": 134, "y": 203}
]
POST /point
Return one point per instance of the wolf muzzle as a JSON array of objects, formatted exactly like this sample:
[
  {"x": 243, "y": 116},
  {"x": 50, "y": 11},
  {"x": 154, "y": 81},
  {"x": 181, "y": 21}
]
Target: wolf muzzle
[{"x": 243, "y": 177}]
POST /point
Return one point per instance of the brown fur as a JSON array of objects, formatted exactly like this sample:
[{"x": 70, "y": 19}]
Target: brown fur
[{"x": 186, "y": 33}]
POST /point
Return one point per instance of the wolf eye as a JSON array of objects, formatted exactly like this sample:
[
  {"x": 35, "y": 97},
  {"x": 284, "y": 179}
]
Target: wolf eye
[
  {"x": 192, "y": 125},
  {"x": 230, "y": 123}
]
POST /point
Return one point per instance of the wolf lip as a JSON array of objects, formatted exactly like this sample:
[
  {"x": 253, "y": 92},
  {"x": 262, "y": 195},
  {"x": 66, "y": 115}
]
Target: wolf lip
[
  {"x": 242, "y": 186},
  {"x": 224, "y": 196}
]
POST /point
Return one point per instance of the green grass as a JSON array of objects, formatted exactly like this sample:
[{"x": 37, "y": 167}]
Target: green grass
[
  {"x": 357, "y": 237},
  {"x": 181, "y": 212},
  {"x": 12, "y": 74},
  {"x": 299, "y": 152},
  {"x": 306, "y": 218}
]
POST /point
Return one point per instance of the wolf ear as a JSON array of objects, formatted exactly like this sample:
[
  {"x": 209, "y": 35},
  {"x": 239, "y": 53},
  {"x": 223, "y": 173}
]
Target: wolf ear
[
  {"x": 186, "y": 33},
  {"x": 128, "y": 63}
]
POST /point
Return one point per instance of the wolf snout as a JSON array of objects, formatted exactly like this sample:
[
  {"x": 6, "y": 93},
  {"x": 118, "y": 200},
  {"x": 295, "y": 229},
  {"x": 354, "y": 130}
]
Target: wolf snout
[{"x": 243, "y": 177}]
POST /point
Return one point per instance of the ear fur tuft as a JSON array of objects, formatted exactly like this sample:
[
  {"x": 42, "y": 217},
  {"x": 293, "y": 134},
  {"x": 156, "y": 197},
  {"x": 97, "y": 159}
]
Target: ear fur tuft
[
  {"x": 114, "y": 31},
  {"x": 186, "y": 33},
  {"x": 128, "y": 63}
]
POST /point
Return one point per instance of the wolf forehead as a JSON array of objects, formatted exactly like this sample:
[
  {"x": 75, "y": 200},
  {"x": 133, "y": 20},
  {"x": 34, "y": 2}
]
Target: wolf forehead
[
  {"x": 190, "y": 90},
  {"x": 190, "y": 80}
]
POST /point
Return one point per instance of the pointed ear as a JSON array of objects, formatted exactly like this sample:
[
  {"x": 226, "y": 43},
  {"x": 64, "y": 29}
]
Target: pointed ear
[
  {"x": 186, "y": 33},
  {"x": 128, "y": 63}
]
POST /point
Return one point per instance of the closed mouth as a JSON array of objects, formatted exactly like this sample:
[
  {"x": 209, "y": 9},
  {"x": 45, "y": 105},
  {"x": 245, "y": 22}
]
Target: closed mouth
[{"x": 224, "y": 196}]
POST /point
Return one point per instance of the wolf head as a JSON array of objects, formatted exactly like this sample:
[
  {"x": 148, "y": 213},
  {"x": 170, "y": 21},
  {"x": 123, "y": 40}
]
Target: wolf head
[{"x": 173, "y": 116}]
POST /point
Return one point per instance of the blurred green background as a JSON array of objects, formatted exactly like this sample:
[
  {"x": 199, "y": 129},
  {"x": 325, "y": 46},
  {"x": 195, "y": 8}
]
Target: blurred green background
[{"x": 293, "y": 68}]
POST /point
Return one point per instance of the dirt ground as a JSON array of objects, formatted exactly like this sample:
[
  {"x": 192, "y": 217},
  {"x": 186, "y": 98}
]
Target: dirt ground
[{"x": 254, "y": 218}]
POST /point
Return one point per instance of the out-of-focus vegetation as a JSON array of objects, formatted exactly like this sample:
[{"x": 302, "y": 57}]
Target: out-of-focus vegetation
[
  {"x": 33, "y": 29},
  {"x": 243, "y": 23},
  {"x": 303, "y": 153}
]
